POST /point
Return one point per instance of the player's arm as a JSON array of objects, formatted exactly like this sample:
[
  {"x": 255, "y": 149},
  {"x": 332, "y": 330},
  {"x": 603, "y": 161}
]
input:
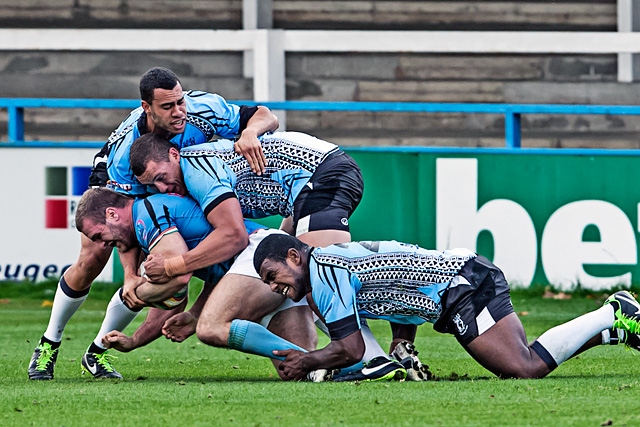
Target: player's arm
[
  {"x": 228, "y": 238},
  {"x": 99, "y": 175},
  {"x": 169, "y": 245},
  {"x": 338, "y": 354},
  {"x": 181, "y": 326},
  {"x": 130, "y": 261},
  {"x": 260, "y": 121},
  {"x": 148, "y": 331}
]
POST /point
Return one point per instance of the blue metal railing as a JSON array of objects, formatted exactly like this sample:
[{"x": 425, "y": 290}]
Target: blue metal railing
[{"x": 512, "y": 112}]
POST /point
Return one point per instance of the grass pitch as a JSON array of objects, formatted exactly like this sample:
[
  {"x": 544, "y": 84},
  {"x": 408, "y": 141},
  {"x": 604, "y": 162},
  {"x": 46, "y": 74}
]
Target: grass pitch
[{"x": 191, "y": 384}]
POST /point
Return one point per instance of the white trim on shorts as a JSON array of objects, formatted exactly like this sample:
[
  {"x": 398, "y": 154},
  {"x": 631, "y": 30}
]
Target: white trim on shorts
[
  {"x": 243, "y": 265},
  {"x": 303, "y": 225}
]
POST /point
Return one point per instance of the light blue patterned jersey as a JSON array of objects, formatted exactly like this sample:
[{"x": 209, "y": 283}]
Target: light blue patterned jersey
[
  {"x": 214, "y": 172},
  {"x": 161, "y": 214},
  {"x": 207, "y": 115},
  {"x": 388, "y": 280}
]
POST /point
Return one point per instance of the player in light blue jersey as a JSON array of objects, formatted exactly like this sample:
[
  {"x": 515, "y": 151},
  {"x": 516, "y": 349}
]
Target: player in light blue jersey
[
  {"x": 458, "y": 291},
  {"x": 171, "y": 224},
  {"x": 312, "y": 183},
  {"x": 187, "y": 118}
]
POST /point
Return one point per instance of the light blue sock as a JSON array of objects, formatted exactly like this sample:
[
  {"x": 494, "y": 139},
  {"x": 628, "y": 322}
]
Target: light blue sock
[
  {"x": 344, "y": 371},
  {"x": 254, "y": 338}
]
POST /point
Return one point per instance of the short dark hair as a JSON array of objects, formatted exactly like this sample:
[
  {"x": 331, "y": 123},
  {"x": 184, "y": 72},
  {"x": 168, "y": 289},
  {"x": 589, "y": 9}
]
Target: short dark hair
[
  {"x": 146, "y": 148},
  {"x": 156, "y": 78},
  {"x": 275, "y": 247},
  {"x": 94, "y": 203}
]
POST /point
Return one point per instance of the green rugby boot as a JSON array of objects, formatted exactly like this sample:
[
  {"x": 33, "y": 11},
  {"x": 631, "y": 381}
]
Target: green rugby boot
[
  {"x": 377, "y": 369},
  {"x": 99, "y": 365},
  {"x": 626, "y": 311},
  {"x": 43, "y": 361}
]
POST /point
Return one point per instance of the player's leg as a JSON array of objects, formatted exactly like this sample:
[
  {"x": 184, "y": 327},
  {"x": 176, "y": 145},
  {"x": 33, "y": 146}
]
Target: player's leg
[
  {"x": 72, "y": 290},
  {"x": 294, "y": 324},
  {"x": 235, "y": 297},
  {"x": 96, "y": 360},
  {"x": 238, "y": 301},
  {"x": 480, "y": 314},
  {"x": 503, "y": 348}
]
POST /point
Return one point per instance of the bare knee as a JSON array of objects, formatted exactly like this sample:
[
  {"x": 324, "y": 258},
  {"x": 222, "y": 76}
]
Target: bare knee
[
  {"x": 213, "y": 333},
  {"x": 520, "y": 372}
]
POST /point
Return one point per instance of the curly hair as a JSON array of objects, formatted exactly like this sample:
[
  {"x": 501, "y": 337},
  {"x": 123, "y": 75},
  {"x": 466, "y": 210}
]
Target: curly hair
[
  {"x": 275, "y": 247},
  {"x": 156, "y": 78}
]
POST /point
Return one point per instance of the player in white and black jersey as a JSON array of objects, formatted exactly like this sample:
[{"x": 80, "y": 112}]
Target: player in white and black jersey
[
  {"x": 186, "y": 118},
  {"x": 460, "y": 292}
]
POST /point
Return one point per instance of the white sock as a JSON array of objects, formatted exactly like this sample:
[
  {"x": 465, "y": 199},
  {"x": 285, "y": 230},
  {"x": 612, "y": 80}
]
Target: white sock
[
  {"x": 64, "y": 306},
  {"x": 118, "y": 317},
  {"x": 564, "y": 340},
  {"x": 371, "y": 347}
]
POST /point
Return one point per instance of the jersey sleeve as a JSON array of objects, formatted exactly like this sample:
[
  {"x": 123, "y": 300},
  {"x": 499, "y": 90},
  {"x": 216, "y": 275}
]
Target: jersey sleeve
[
  {"x": 152, "y": 223},
  {"x": 209, "y": 182},
  {"x": 224, "y": 117},
  {"x": 121, "y": 177},
  {"x": 335, "y": 296}
]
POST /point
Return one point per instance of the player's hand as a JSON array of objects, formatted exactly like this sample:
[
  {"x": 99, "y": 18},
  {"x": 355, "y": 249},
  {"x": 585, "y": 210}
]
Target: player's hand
[
  {"x": 292, "y": 366},
  {"x": 129, "y": 296},
  {"x": 154, "y": 269},
  {"x": 180, "y": 327},
  {"x": 119, "y": 341},
  {"x": 250, "y": 148}
]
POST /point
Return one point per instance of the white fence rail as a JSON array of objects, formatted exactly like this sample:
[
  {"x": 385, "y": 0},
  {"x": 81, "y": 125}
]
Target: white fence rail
[{"x": 269, "y": 46}]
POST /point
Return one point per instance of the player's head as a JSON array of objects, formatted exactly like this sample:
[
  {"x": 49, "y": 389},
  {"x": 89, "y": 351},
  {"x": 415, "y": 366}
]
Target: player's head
[
  {"x": 104, "y": 217},
  {"x": 280, "y": 260},
  {"x": 156, "y": 78},
  {"x": 163, "y": 101},
  {"x": 155, "y": 161}
]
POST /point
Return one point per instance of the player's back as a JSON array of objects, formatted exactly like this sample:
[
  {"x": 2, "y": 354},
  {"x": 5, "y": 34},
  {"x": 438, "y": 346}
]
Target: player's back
[
  {"x": 292, "y": 157},
  {"x": 162, "y": 214},
  {"x": 392, "y": 280}
]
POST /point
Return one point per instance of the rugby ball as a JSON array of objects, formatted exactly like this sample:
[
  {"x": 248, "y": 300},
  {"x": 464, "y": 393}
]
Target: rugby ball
[{"x": 174, "y": 301}]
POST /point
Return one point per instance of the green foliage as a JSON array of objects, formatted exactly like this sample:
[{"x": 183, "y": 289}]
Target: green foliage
[{"x": 191, "y": 384}]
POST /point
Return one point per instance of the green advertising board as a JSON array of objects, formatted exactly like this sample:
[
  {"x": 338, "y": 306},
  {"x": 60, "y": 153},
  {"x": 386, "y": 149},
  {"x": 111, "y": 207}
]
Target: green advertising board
[{"x": 567, "y": 220}]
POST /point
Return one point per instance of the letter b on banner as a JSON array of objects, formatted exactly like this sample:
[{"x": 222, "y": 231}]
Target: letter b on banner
[{"x": 459, "y": 221}]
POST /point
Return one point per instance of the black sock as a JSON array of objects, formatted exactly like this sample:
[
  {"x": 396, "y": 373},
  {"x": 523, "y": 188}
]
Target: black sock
[
  {"x": 93, "y": 348},
  {"x": 53, "y": 344}
]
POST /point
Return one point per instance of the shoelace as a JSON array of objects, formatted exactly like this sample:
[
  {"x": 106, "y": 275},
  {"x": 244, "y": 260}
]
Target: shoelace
[
  {"x": 46, "y": 355},
  {"x": 627, "y": 323},
  {"x": 105, "y": 360}
]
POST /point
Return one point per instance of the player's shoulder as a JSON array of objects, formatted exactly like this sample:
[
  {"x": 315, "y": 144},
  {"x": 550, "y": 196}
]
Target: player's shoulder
[
  {"x": 128, "y": 128},
  {"x": 196, "y": 100},
  {"x": 169, "y": 199}
]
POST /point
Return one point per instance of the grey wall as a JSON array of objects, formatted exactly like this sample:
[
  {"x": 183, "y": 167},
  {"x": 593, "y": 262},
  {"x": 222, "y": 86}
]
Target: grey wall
[{"x": 589, "y": 79}]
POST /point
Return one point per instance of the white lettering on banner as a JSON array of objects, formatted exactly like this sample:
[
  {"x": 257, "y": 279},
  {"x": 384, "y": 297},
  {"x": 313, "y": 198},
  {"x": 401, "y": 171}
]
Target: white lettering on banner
[
  {"x": 564, "y": 253},
  {"x": 459, "y": 221},
  {"x": 31, "y": 272}
]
